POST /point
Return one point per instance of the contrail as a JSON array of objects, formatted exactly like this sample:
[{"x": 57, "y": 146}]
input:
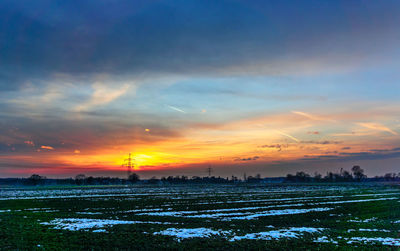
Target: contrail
[
  {"x": 309, "y": 116},
  {"x": 313, "y": 117},
  {"x": 287, "y": 135},
  {"x": 176, "y": 109}
]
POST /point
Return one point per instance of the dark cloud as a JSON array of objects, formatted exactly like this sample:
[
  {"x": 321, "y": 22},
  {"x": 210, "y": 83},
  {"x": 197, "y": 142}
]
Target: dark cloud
[
  {"x": 373, "y": 154},
  {"x": 39, "y": 38},
  {"x": 277, "y": 146},
  {"x": 331, "y": 152},
  {"x": 247, "y": 159}
]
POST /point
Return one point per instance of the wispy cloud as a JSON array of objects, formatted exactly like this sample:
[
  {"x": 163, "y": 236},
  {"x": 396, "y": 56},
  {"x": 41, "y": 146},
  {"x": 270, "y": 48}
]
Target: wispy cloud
[
  {"x": 287, "y": 135},
  {"x": 102, "y": 95},
  {"x": 350, "y": 134},
  {"x": 311, "y": 116},
  {"x": 377, "y": 127},
  {"x": 307, "y": 115},
  {"x": 175, "y": 109}
]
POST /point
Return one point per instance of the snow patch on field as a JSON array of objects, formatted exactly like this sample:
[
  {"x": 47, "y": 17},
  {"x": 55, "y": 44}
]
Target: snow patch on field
[
  {"x": 236, "y": 215},
  {"x": 99, "y": 231},
  {"x": 169, "y": 213},
  {"x": 293, "y": 232},
  {"x": 184, "y": 233},
  {"x": 279, "y": 212},
  {"x": 76, "y": 224},
  {"x": 352, "y": 201},
  {"x": 382, "y": 240},
  {"x": 89, "y": 213},
  {"x": 144, "y": 210},
  {"x": 308, "y": 198},
  {"x": 369, "y": 230},
  {"x": 251, "y": 208},
  {"x": 33, "y": 210},
  {"x": 252, "y": 215},
  {"x": 325, "y": 239},
  {"x": 364, "y": 221},
  {"x": 387, "y": 241}
]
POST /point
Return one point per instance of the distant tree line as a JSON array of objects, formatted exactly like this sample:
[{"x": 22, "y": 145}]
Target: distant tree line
[
  {"x": 195, "y": 179},
  {"x": 35, "y": 180},
  {"x": 355, "y": 175},
  {"x": 387, "y": 177},
  {"x": 82, "y": 180},
  {"x": 210, "y": 179}
]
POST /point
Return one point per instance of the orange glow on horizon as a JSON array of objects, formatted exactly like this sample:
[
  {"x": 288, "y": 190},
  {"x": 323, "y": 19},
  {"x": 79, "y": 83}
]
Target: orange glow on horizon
[{"x": 248, "y": 141}]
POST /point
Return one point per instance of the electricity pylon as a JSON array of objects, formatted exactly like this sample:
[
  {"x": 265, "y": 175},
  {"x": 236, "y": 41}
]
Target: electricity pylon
[
  {"x": 209, "y": 170},
  {"x": 128, "y": 163}
]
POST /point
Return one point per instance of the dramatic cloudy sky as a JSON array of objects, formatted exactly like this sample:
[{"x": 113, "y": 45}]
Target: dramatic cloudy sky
[{"x": 266, "y": 87}]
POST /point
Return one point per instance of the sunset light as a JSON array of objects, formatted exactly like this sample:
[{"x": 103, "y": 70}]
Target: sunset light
[
  {"x": 199, "y": 125},
  {"x": 249, "y": 90}
]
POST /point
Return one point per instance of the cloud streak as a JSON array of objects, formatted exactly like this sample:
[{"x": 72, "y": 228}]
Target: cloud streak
[
  {"x": 288, "y": 135},
  {"x": 377, "y": 127},
  {"x": 175, "y": 108},
  {"x": 312, "y": 117},
  {"x": 102, "y": 95}
]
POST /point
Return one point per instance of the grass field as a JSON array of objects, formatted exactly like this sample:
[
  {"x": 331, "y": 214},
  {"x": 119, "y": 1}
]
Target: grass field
[{"x": 324, "y": 216}]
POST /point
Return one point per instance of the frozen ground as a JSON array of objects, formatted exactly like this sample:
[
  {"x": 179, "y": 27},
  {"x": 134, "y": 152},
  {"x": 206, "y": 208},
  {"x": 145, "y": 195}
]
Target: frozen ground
[{"x": 274, "y": 216}]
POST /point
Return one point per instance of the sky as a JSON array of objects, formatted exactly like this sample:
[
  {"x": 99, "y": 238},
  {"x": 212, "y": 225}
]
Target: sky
[{"x": 269, "y": 87}]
